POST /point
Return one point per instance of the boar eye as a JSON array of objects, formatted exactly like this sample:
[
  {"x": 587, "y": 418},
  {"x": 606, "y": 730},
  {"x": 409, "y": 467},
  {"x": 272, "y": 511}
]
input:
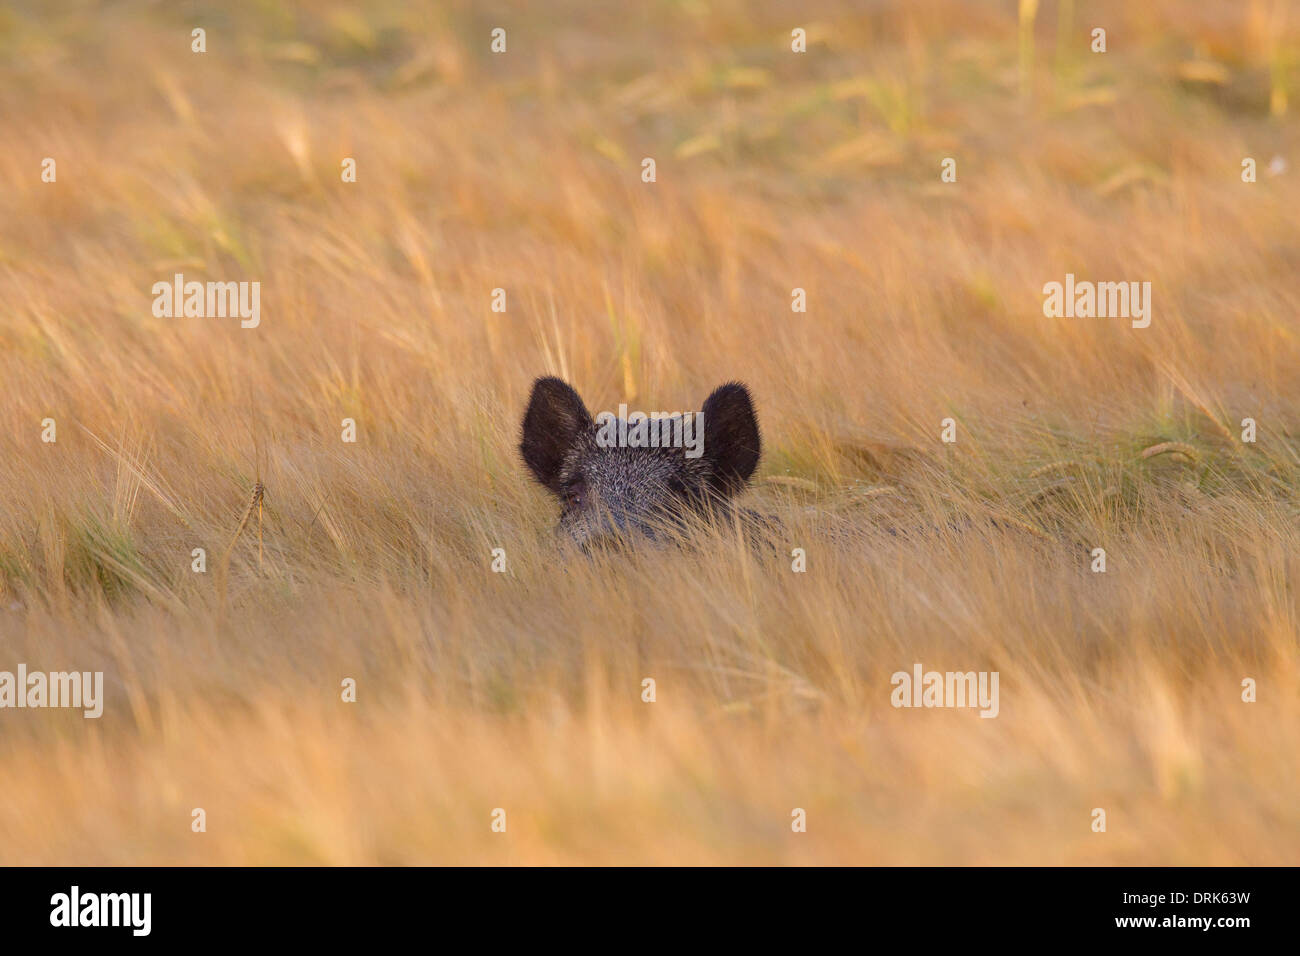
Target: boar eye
[{"x": 573, "y": 494}]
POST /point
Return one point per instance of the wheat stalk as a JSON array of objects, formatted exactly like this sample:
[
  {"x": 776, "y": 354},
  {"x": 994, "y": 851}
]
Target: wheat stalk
[
  {"x": 1055, "y": 466},
  {"x": 1171, "y": 446},
  {"x": 223, "y": 566}
]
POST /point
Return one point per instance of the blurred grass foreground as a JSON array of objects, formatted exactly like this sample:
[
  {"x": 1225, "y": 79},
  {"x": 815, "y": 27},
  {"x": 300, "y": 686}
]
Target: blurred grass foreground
[{"x": 180, "y": 508}]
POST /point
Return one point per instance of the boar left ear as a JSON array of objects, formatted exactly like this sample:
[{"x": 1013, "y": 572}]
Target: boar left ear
[
  {"x": 555, "y": 418},
  {"x": 731, "y": 443}
]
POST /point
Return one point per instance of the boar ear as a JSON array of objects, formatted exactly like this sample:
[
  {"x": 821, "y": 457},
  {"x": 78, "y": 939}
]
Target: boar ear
[
  {"x": 555, "y": 418},
  {"x": 731, "y": 444}
]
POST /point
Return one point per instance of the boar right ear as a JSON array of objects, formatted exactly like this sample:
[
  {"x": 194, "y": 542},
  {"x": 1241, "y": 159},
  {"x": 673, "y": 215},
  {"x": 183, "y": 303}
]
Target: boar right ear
[
  {"x": 555, "y": 418},
  {"x": 731, "y": 442}
]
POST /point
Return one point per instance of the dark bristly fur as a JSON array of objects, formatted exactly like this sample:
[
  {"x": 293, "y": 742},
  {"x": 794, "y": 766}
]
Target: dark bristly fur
[{"x": 613, "y": 493}]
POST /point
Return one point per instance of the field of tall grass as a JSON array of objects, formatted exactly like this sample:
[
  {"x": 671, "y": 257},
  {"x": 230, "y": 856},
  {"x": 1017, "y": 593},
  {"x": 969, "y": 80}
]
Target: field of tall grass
[{"x": 775, "y": 171}]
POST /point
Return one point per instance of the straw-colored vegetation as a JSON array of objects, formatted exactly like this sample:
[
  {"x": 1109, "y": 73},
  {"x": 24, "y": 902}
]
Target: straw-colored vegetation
[{"x": 775, "y": 170}]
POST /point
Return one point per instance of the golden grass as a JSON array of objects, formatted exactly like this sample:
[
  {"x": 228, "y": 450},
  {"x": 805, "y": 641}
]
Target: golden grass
[{"x": 522, "y": 690}]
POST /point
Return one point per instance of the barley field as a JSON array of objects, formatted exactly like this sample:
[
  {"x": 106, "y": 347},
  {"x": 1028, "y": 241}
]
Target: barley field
[{"x": 129, "y": 439}]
